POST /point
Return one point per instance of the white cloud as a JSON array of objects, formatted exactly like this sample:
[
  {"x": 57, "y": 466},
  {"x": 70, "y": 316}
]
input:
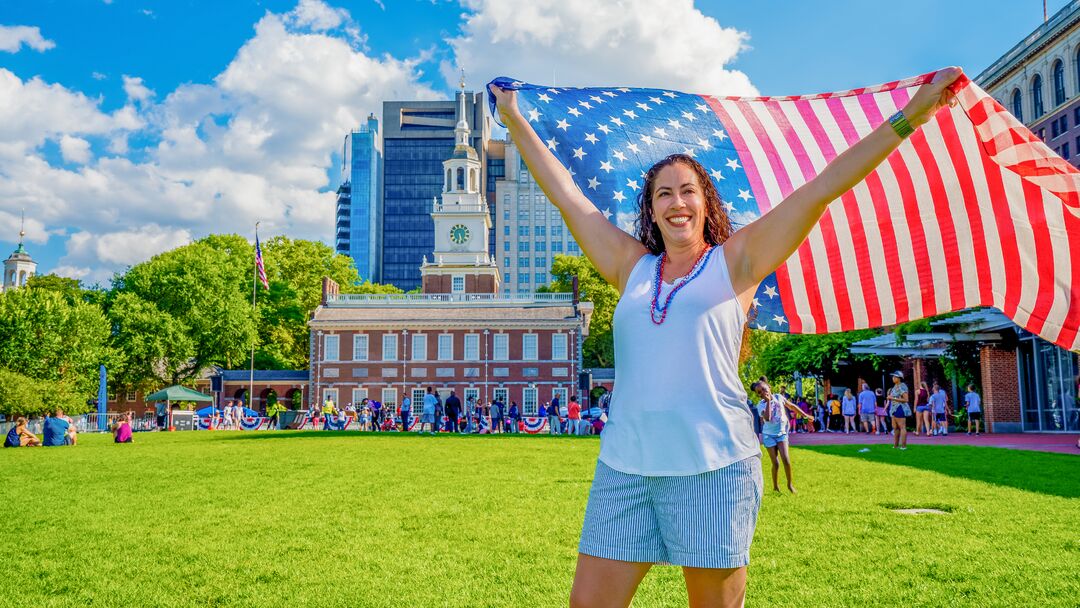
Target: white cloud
[
  {"x": 75, "y": 149},
  {"x": 12, "y": 37},
  {"x": 629, "y": 43},
  {"x": 135, "y": 89},
  {"x": 254, "y": 144},
  {"x": 11, "y": 221},
  {"x": 98, "y": 76}
]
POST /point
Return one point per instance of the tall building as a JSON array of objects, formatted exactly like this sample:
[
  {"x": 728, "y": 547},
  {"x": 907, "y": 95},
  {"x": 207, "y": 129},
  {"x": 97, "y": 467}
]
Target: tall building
[
  {"x": 359, "y": 203},
  {"x": 461, "y": 334},
  {"x": 1038, "y": 80},
  {"x": 19, "y": 266},
  {"x": 417, "y": 137},
  {"x": 529, "y": 230}
]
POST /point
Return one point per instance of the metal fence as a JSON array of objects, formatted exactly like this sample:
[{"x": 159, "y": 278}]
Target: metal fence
[{"x": 87, "y": 423}]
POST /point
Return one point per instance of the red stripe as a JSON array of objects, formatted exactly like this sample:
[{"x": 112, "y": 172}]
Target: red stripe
[
  {"x": 806, "y": 256},
  {"x": 1006, "y": 237},
  {"x": 971, "y": 203},
  {"x": 950, "y": 250},
  {"x": 874, "y": 186},
  {"x": 835, "y": 260},
  {"x": 1071, "y": 322},
  {"x": 859, "y": 243},
  {"x": 1044, "y": 256},
  {"x": 783, "y": 281}
]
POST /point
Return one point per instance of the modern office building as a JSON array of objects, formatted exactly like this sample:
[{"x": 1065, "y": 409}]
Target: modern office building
[
  {"x": 529, "y": 230},
  {"x": 417, "y": 137},
  {"x": 359, "y": 204}
]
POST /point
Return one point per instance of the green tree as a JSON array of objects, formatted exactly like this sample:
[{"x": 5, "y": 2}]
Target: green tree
[
  {"x": 157, "y": 347},
  {"x": 202, "y": 287},
  {"x": 71, "y": 289},
  {"x": 812, "y": 353},
  {"x": 599, "y": 348},
  {"x": 43, "y": 336}
]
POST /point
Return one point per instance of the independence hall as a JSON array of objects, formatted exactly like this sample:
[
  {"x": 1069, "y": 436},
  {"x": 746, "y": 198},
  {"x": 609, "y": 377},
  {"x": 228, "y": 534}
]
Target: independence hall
[{"x": 461, "y": 333}]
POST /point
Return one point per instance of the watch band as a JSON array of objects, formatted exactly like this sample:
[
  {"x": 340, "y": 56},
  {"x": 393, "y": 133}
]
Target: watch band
[{"x": 900, "y": 124}]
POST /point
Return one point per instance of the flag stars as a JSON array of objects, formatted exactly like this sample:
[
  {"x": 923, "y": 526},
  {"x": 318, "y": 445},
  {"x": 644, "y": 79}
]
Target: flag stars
[
  {"x": 688, "y": 116},
  {"x": 704, "y": 143},
  {"x": 660, "y": 132},
  {"x": 591, "y": 138},
  {"x": 669, "y": 94},
  {"x": 643, "y": 106},
  {"x": 632, "y": 185},
  {"x": 593, "y": 183},
  {"x": 606, "y": 129},
  {"x": 585, "y": 104},
  {"x": 562, "y": 124},
  {"x": 619, "y": 196},
  {"x": 552, "y": 144},
  {"x": 657, "y": 101},
  {"x": 554, "y": 91},
  {"x": 779, "y": 320},
  {"x": 623, "y": 90},
  {"x": 607, "y": 213},
  {"x": 534, "y": 115},
  {"x": 596, "y": 99},
  {"x": 606, "y": 166},
  {"x": 716, "y": 174},
  {"x": 647, "y": 140},
  {"x": 580, "y": 153},
  {"x": 702, "y": 108},
  {"x": 744, "y": 195},
  {"x": 619, "y": 155},
  {"x": 573, "y": 111},
  {"x": 544, "y": 97},
  {"x": 629, "y": 114},
  {"x": 674, "y": 124},
  {"x": 729, "y": 206},
  {"x": 732, "y": 164},
  {"x": 633, "y": 148},
  {"x": 770, "y": 291},
  {"x": 689, "y": 152},
  {"x": 609, "y": 94},
  {"x": 719, "y": 134},
  {"x": 755, "y": 303},
  {"x": 615, "y": 120}
]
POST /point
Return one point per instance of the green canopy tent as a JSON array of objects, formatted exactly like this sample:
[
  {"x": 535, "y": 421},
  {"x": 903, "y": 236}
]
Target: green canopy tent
[{"x": 178, "y": 393}]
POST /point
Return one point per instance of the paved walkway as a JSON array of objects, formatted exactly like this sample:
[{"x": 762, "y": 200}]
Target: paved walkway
[{"x": 1043, "y": 442}]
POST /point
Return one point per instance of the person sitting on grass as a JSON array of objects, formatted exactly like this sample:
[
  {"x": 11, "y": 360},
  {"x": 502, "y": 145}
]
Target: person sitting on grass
[
  {"x": 72, "y": 435},
  {"x": 974, "y": 409},
  {"x": 122, "y": 432},
  {"x": 54, "y": 431},
  {"x": 774, "y": 429},
  {"x": 20, "y": 437}
]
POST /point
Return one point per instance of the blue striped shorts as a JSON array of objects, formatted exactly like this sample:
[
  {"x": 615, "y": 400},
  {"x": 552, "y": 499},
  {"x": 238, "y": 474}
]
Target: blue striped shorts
[{"x": 700, "y": 521}]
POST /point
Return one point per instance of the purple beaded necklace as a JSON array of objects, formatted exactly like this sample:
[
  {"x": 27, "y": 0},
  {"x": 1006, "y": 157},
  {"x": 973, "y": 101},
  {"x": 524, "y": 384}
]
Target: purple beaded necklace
[{"x": 695, "y": 270}]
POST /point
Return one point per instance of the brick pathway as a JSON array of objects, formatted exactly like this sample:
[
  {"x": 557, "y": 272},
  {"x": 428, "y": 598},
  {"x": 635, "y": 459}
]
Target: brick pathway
[{"x": 1043, "y": 442}]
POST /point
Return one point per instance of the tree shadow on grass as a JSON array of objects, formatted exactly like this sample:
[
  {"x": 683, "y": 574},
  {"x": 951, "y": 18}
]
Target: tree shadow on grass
[{"x": 1041, "y": 472}]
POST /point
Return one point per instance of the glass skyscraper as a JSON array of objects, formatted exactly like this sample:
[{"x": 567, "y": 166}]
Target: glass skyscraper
[
  {"x": 417, "y": 137},
  {"x": 359, "y": 203}
]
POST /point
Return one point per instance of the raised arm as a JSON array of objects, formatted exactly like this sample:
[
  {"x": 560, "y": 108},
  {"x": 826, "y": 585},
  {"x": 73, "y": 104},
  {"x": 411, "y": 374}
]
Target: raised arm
[
  {"x": 758, "y": 249},
  {"x": 611, "y": 250}
]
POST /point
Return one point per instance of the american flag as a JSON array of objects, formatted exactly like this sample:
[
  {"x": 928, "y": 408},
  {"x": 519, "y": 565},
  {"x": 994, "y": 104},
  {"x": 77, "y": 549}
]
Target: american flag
[
  {"x": 259, "y": 267},
  {"x": 971, "y": 210}
]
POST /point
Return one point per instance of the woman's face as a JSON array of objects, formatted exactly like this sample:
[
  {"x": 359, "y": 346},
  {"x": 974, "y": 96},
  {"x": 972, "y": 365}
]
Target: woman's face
[
  {"x": 678, "y": 205},
  {"x": 896, "y": 379}
]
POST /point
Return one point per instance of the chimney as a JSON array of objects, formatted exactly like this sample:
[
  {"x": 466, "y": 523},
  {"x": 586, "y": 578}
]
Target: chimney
[{"x": 329, "y": 289}]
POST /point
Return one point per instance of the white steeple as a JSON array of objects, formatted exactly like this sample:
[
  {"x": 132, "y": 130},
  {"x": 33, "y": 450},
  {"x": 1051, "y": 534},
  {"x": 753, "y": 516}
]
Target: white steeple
[{"x": 19, "y": 266}]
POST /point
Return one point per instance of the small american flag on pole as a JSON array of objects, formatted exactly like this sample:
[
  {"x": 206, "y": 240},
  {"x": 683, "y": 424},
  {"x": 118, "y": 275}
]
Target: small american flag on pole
[
  {"x": 259, "y": 267},
  {"x": 971, "y": 210}
]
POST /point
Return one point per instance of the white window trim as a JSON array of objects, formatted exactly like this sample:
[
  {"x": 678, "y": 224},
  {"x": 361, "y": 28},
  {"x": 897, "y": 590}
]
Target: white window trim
[
  {"x": 475, "y": 339},
  {"x": 529, "y": 409},
  {"x": 472, "y": 391},
  {"x": 502, "y": 392},
  {"x": 332, "y": 394},
  {"x": 336, "y": 352},
  {"x": 525, "y": 347},
  {"x": 505, "y": 339},
  {"x": 360, "y": 354},
  {"x": 358, "y": 396},
  {"x": 394, "y": 355},
  {"x": 419, "y": 354},
  {"x": 563, "y": 395},
  {"x": 447, "y": 356},
  {"x": 564, "y": 341},
  {"x": 392, "y": 401},
  {"x": 417, "y": 396},
  {"x": 453, "y": 283}
]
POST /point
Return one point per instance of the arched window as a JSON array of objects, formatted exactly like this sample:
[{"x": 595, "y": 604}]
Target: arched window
[
  {"x": 1018, "y": 105},
  {"x": 449, "y": 181},
  {"x": 1036, "y": 97},
  {"x": 461, "y": 179},
  {"x": 1059, "y": 83},
  {"x": 472, "y": 180}
]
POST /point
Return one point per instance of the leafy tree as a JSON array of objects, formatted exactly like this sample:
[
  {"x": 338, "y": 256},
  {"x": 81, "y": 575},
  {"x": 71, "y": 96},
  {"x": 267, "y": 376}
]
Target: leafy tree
[
  {"x": 811, "y": 352},
  {"x": 599, "y": 348},
  {"x": 71, "y": 289},
  {"x": 157, "y": 347},
  {"x": 201, "y": 287},
  {"x": 44, "y": 336}
]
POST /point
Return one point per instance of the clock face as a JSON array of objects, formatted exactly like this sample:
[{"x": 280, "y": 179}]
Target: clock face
[{"x": 459, "y": 234}]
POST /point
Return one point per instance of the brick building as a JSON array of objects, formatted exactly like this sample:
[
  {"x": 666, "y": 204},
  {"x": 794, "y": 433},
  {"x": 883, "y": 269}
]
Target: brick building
[{"x": 463, "y": 333}]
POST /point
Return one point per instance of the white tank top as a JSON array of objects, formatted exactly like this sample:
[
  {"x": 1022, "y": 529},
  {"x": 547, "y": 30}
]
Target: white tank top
[{"x": 678, "y": 407}]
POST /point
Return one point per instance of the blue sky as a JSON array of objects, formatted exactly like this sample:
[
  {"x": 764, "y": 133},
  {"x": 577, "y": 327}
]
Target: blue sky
[{"x": 130, "y": 127}]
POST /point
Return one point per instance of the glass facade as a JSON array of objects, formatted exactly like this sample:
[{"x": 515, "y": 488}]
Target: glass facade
[
  {"x": 358, "y": 217},
  {"x": 1049, "y": 378}
]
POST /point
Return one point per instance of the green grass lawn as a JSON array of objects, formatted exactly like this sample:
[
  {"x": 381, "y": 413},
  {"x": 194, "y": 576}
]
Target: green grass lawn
[{"x": 345, "y": 519}]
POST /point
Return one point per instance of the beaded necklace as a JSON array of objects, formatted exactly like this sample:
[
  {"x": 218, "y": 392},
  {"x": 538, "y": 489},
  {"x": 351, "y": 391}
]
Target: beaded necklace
[{"x": 695, "y": 270}]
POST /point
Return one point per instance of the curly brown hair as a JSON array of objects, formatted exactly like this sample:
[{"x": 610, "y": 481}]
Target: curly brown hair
[{"x": 717, "y": 224}]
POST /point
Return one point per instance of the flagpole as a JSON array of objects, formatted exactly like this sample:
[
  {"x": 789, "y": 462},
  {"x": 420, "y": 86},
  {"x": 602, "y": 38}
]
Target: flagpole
[{"x": 254, "y": 285}]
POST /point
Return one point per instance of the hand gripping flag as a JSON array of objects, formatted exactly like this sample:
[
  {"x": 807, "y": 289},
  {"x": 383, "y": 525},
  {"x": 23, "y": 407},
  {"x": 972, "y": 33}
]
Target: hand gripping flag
[{"x": 971, "y": 210}]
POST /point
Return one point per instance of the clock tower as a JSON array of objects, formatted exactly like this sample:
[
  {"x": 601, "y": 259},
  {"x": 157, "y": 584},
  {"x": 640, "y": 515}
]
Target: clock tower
[{"x": 461, "y": 261}]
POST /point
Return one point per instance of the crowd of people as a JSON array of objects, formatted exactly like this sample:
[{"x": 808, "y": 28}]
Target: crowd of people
[
  {"x": 474, "y": 416},
  {"x": 59, "y": 430}
]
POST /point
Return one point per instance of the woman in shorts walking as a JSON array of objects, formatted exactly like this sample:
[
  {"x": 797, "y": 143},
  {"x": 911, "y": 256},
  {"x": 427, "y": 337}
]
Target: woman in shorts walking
[
  {"x": 899, "y": 410},
  {"x": 678, "y": 478},
  {"x": 774, "y": 430}
]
